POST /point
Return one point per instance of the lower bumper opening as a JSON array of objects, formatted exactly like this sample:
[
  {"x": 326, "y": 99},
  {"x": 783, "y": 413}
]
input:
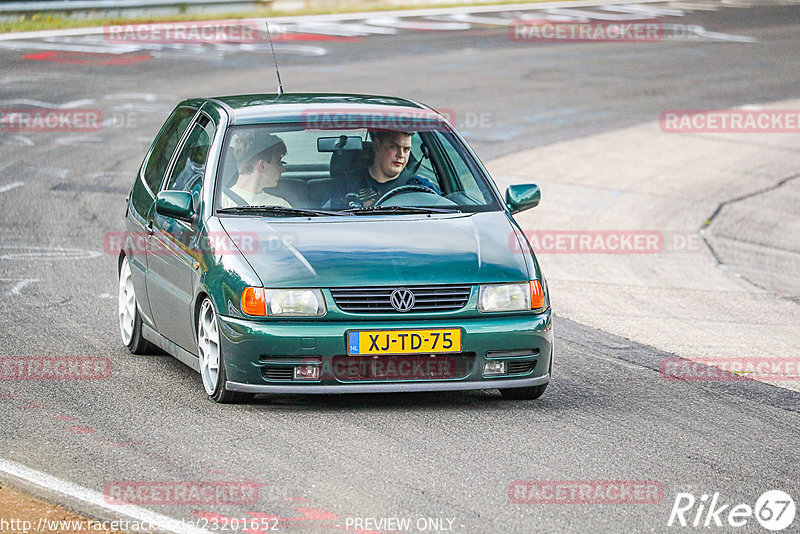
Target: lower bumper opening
[
  {"x": 351, "y": 369},
  {"x": 402, "y": 368}
]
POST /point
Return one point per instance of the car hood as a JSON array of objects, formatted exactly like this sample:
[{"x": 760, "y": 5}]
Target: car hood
[{"x": 379, "y": 250}]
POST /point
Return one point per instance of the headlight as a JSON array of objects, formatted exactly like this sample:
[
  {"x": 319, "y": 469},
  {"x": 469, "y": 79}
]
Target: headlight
[
  {"x": 294, "y": 302},
  {"x": 504, "y": 297},
  {"x": 512, "y": 297},
  {"x": 261, "y": 302}
]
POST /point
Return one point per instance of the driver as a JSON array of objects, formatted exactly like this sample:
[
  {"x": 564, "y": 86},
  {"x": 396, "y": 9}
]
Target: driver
[{"x": 370, "y": 183}]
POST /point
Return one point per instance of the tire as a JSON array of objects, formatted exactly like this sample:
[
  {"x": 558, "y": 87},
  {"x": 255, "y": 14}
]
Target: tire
[
  {"x": 130, "y": 320},
  {"x": 212, "y": 367},
  {"x": 531, "y": 393}
]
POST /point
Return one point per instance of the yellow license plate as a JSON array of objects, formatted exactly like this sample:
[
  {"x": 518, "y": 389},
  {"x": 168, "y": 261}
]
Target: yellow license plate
[{"x": 403, "y": 341}]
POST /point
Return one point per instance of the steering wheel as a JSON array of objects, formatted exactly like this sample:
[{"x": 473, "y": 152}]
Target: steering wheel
[{"x": 408, "y": 188}]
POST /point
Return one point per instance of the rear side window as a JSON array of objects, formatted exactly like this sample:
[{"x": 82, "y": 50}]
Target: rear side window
[{"x": 164, "y": 147}]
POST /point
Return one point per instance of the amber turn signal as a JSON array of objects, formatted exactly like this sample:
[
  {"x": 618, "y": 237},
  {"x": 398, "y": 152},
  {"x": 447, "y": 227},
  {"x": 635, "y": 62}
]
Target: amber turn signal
[
  {"x": 537, "y": 295},
  {"x": 253, "y": 301}
]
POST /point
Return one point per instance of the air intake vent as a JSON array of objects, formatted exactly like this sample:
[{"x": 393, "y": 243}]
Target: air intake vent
[
  {"x": 520, "y": 367},
  {"x": 282, "y": 373}
]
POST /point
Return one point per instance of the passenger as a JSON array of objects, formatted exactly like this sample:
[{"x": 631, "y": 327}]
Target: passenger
[
  {"x": 259, "y": 158},
  {"x": 370, "y": 183}
]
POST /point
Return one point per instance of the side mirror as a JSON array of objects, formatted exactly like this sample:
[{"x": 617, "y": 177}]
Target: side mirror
[
  {"x": 175, "y": 204},
  {"x": 522, "y": 197}
]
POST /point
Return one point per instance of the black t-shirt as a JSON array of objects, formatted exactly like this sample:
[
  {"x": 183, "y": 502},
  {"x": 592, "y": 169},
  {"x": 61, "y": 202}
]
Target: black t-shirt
[{"x": 368, "y": 190}]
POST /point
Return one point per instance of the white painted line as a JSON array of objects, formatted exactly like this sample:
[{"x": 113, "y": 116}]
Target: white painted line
[
  {"x": 142, "y": 515},
  {"x": 19, "y": 285},
  {"x": 344, "y": 29},
  {"x": 27, "y": 141},
  {"x": 34, "y": 253},
  {"x": 645, "y": 11},
  {"x": 579, "y": 14},
  {"x": 353, "y": 16},
  {"x": 42, "y": 104},
  {"x": 394, "y": 22},
  {"x": 454, "y": 10},
  {"x": 42, "y": 34},
  {"x": 147, "y": 97},
  {"x": 73, "y": 140},
  {"x": 52, "y": 45},
  {"x": 472, "y": 19},
  {"x": 9, "y": 187}
]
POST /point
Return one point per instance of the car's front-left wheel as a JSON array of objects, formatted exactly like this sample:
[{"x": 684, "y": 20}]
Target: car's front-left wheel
[
  {"x": 130, "y": 320},
  {"x": 212, "y": 368}
]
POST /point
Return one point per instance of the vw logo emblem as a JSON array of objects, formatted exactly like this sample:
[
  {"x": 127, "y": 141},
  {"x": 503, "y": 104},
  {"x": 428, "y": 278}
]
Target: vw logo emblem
[{"x": 402, "y": 300}]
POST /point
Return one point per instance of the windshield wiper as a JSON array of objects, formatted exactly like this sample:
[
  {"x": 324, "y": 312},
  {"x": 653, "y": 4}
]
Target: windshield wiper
[
  {"x": 280, "y": 210},
  {"x": 377, "y": 210}
]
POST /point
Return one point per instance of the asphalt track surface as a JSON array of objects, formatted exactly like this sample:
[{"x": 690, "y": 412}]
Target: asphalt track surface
[{"x": 323, "y": 462}]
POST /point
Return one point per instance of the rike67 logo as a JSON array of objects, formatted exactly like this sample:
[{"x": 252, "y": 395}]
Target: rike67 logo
[{"x": 774, "y": 510}]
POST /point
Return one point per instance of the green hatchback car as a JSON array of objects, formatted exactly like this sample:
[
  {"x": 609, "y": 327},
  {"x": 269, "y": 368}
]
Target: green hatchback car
[{"x": 330, "y": 243}]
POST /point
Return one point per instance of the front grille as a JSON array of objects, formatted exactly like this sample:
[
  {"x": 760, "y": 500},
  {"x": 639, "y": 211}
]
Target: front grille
[
  {"x": 521, "y": 367},
  {"x": 435, "y": 298}
]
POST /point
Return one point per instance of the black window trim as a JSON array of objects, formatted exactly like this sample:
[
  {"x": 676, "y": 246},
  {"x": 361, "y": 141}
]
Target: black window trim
[
  {"x": 179, "y": 147},
  {"x": 179, "y": 144}
]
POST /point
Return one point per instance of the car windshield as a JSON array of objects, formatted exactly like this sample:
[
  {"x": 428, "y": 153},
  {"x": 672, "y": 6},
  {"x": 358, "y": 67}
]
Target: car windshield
[{"x": 350, "y": 169}]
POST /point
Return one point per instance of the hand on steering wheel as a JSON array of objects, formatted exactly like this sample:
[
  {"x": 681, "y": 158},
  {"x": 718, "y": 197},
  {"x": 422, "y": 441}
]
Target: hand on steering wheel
[{"x": 408, "y": 188}]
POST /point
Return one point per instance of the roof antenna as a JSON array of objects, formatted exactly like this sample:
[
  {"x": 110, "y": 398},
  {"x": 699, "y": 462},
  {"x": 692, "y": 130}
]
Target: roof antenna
[{"x": 280, "y": 84}]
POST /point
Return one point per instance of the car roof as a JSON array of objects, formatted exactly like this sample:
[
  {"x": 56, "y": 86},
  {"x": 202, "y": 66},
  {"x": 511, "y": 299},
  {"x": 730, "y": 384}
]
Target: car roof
[{"x": 289, "y": 107}]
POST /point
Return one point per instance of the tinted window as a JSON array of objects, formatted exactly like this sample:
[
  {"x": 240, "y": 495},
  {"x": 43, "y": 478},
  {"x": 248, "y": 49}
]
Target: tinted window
[{"x": 164, "y": 147}]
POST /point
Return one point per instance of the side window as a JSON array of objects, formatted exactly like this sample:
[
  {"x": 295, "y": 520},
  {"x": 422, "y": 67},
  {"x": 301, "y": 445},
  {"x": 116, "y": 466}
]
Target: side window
[
  {"x": 425, "y": 169},
  {"x": 165, "y": 146},
  {"x": 468, "y": 183},
  {"x": 187, "y": 174}
]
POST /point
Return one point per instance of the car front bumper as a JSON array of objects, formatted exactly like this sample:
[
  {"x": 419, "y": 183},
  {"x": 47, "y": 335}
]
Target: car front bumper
[{"x": 256, "y": 352}]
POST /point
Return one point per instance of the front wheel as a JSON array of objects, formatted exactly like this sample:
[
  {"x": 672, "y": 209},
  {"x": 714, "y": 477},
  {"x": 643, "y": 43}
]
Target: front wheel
[
  {"x": 530, "y": 393},
  {"x": 130, "y": 320},
  {"x": 212, "y": 369}
]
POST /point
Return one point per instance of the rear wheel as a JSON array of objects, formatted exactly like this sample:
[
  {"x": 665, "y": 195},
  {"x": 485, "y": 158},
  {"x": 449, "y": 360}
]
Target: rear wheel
[
  {"x": 130, "y": 320},
  {"x": 530, "y": 393},
  {"x": 212, "y": 368}
]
